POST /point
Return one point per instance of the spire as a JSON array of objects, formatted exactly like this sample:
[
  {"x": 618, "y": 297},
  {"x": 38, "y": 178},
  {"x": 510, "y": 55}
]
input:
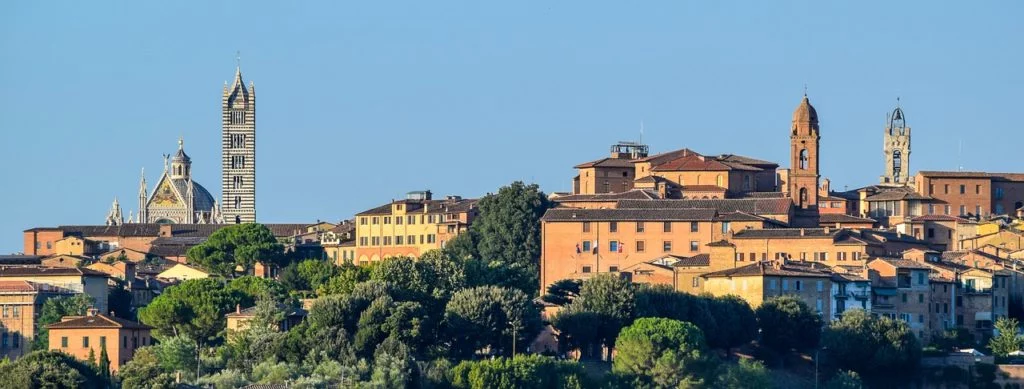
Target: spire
[
  {"x": 142, "y": 183},
  {"x": 114, "y": 217}
]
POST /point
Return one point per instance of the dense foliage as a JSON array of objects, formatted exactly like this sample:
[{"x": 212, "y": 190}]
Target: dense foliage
[
  {"x": 50, "y": 369},
  {"x": 1006, "y": 340},
  {"x": 787, "y": 323},
  {"x": 661, "y": 352},
  {"x": 874, "y": 347},
  {"x": 524, "y": 371},
  {"x": 237, "y": 246},
  {"x": 53, "y": 310}
]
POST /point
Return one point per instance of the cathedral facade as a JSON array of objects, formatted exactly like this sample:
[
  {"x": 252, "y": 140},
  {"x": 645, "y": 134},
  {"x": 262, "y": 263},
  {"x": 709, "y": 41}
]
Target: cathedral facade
[{"x": 176, "y": 198}]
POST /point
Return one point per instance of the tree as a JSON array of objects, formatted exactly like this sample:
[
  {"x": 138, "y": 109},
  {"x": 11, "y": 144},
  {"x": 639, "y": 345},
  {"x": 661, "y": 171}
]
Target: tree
[
  {"x": 787, "y": 323},
  {"x": 1006, "y": 341},
  {"x": 249, "y": 289},
  {"x": 506, "y": 236},
  {"x": 144, "y": 371},
  {"x": 612, "y": 301},
  {"x": 661, "y": 352},
  {"x": 844, "y": 379},
  {"x": 104, "y": 364},
  {"x": 563, "y": 292},
  {"x": 345, "y": 280},
  {"x": 119, "y": 299},
  {"x": 53, "y": 310},
  {"x": 176, "y": 354},
  {"x": 735, "y": 322},
  {"x": 485, "y": 316},
  {"x": 50, "y": 369},
  {"x": 194, "y": 308},
  {"x": 238, "y": 245},
  {"x": 664, "y": 301},
  {"x": 522, "y": 371},
  {"x": 747, "y": 374},
  {"x": 874, "y": 347}
]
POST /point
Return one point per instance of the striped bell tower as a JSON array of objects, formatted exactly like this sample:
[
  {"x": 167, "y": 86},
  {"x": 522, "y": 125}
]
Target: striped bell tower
[{"x": 238, "y": 151}]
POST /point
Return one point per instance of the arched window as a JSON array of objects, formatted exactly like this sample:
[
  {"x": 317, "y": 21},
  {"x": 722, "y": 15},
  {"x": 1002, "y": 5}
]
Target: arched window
[
  {"x": 803, "y": 159},
  {"x": 897, "y": 162},
  {"x": 803, "y": 196},
  {"x": 238, "y": 202}
]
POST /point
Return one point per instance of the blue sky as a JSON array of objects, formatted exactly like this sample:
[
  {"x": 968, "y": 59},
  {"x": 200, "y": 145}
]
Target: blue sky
[{"x": 360, "y": 102}]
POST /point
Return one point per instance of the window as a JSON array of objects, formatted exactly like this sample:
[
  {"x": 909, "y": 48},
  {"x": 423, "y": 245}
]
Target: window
[
  {"x": 798, "y": 285},
  {"x": 5, "y": 309},
  {"x": 921, "y": 280},
  {"x": 586, "y": 269},
  {"x": 639, "y": 226},
  {"x": 803, "y": 159},
  {"x": 398, "y": 220},
  {"x": 613, "y": 226},
  {"x": 362, "y": 241},
  {"x": 399, "y": 239},
  {"x": 3, "y": 343},
  {"x": 931, "y": 233},
  {"x": 586, "y": 246},
  {"x": 387, "y": 219},
  {"x": 739, "y": 257},
  {"x": 904, "y": 297},
  {"x": 666, "y": 246},
  {"x": 818, "y": 305},
  {"x": 613, "y": 246},
  {"x": 977, "y": 210},
  {"x": 947, "y": 209},
  {"x": 725, "y": 228},
  {"x": 694, "y": 245},
  {"x": 15, "y": 340},
  {"x": 771, "y": 284},
  {"x": 821, "y": 285},
  {"x": 586, "y": 226},
  {"x": 931, "y": 209},
  {"x": 63, "y": 342},
  {"x": 696, "y": 282},
  {"x": 694, "y": 226},
  {"x": 785, "y": 284},
  {"x": 963, "y": 188},
  {"x": 640, "y": 246},
  {"x": 920, "y": 318},
  {"x": 613, "y": 268},
  {"x": 85, "y": 342},
  {"x": 963, "y": 210},
  {"x": 945, "y": 188},
  {"x": 920, "y": 298},
  {"x": 667, "y": 227},
  {"x": 362, "y": 221},
  {"x": 375, "y": 220},
  {"x": 977, "y": 189},
  {"x": 15, "y": 311}
]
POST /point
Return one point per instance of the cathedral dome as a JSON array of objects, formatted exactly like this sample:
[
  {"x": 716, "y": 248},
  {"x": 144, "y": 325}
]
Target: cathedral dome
[{"x": 805, "y": 112}]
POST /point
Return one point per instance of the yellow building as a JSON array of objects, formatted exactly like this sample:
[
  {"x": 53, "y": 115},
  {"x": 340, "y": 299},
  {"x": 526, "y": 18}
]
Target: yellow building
[
  {"x": 412, "y": 226},
  {"x": 760, "y": 281},
  {"x": 182, "y": 272}
]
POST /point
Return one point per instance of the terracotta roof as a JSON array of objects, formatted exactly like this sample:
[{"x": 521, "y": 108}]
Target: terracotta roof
[
  {"x": 938, "y": 218},
  {"x": 689, "y": 160},
  {"x": 415, "y": 207},
  {"x": 607, "y": 162},
  {"x": 20, "y": 259},
  {"x": 829, "y": 218},
  {"x": 703, "y": 188},
  {"x": 251, "y": 311},
  {"x": 763, "y": 195},
  {"x": 98, "y": 321},
  {"x": 696, "y": 260},
  {"x": 896, "y": 194},
  {"x": 755, "y": 206},
  {"x": 47, "y": 271},
  {"x": 569, "y": 214},
  {"x": 177, "y": 230},
  {"x": 785, "y": 233},
  {"x": 901, "y": 263},
  {"x": 634, "y": 194},
  {"x": 720, "y": 243},
  {"x": 955, "y": 174},
  {"x": 738, "y": 217},
  {"x": 766, "y": 268},
  {"x": 17, "y": 286}
]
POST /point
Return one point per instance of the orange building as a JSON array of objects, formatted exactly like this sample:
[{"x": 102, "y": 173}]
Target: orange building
[
  {"x": 577, "y": 243},
  {"x": 973, "y": 193},
  {"x": 95, "y": 332},
  {"x": 20, "y": 303},
  {"x": 412, "y": 226}
]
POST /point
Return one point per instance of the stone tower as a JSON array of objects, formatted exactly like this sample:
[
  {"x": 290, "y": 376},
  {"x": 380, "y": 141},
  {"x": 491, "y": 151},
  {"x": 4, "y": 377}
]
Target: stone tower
[
  {"x": 802, "y": 182},
  {"x": 238, "y": 157},
  {"x": 896, "y": 149}
]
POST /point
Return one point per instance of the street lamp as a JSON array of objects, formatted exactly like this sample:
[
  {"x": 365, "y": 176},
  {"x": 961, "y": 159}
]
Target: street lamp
[{"x": 513, "y": 324}]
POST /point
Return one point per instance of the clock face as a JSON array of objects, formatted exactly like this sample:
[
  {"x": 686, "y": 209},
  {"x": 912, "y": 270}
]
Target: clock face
[{"x": 164, "y": 195}]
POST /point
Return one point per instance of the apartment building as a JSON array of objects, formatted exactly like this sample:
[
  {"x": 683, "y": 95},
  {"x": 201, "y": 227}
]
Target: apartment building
[{"x": 412, "y": 226}]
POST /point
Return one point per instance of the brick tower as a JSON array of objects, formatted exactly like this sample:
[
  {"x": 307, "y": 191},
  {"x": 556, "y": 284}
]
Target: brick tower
[
  {"x": 803, "y": 162},
  {"x": 238, "y": 146},
  {"x": 896, "y": 148}
]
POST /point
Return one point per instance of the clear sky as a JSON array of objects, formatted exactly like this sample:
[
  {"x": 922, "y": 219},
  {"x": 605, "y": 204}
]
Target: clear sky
[{"x": 360, "y": 102}]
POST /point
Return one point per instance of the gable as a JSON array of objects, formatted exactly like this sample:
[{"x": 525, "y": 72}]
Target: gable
[{"x": 165, "y": 195}]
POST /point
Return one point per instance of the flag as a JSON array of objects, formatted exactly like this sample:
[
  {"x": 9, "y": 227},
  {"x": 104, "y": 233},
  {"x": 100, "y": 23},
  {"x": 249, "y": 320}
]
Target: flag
[
  {"x": 578, "y": 248},
  {"x": 620, "y": 246}
]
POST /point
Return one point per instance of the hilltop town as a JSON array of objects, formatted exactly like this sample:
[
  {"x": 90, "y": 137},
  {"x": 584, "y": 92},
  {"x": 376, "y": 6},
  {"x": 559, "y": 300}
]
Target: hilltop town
[{"x": 934, "y": 257}]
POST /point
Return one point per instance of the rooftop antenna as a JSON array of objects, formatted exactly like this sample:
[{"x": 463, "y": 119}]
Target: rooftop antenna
[
  {"x": 959, "y": 157},
  {"x": 641, "y": 131}
]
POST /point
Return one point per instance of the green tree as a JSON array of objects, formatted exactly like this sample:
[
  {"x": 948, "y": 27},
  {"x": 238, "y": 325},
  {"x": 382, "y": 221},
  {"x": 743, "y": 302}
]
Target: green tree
[
  {"x": 249, "y": 289},
  {"x": 194, "y": 308},
  {"x": 144, "y": 371},
  {"x": 50, "y": 369},
  {"x": 665, "y": 301},
  {"x": 747, "y": 374},
  {"x": 875, "y": 347},
  {"x": 238, "y": 245},
  {"x": 523, "y": 371},
  {"x": 563, "y": 292},
  {"x": 103, "y": 366},
  {"x": 844, "y": 379},
  {"x": 176, "y": 354},
  {"x": 1006, "y": 341},
  {"x": 345, "y": 280},
  {"x": 787, "y": 323},
  {"x": 661, "y": 352},
  {"x": 505, "y": 238},
  {"x": 119, "y": 299},
  {"x": 611, "y": 299},
  {"x": 735, "y": 322},
  {"x": 485, "y": 316},
  {"x": 53, "y": 310}
]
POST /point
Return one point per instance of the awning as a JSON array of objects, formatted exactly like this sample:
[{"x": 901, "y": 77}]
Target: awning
[
  {"x": 983, "y": 316},
  {"x": 884, "y": 291}
]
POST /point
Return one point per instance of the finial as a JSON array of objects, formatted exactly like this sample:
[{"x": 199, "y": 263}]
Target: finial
[
  {"x": 166, "y": 157},
  {"x": 897, "y": 101},
  {"x": 805, "y": 89},
  {"x": 181, "y": 142},
  {"x": 238, "y": 59}
]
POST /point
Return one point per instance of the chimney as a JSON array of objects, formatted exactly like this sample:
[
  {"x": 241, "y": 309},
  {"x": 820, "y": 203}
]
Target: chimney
[
  {"x": 92, "y": 311},
  {"x": 112, "y": 314},
  {"x": 827, "y": 230},
  {"x": 802, "y": 232},
  {"x": 238, "y": 308}
]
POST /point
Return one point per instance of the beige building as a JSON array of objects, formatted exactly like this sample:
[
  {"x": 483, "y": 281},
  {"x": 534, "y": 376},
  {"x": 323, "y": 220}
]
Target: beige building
[
  {"x": 181, "y": 272},
  {"x": 72, "y": 280},
  {"x": 760, "y": 281},
  {"x": 20, "y": 303},
  {"x": 79, "y": 336},
  {"x": 411, "y": 227}
]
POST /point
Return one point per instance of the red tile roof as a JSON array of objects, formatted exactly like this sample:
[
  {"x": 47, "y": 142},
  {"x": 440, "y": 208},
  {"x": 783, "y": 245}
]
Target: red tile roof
[{"x": 99, "y": 321}]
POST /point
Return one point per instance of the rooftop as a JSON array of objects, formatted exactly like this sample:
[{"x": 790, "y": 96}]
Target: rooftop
[
  {"x": 569, "y": 214},
  {"x": 754, "y": 206},
  {"x": 772, "y": 268},
  {"x": 97, "y": 321}
]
